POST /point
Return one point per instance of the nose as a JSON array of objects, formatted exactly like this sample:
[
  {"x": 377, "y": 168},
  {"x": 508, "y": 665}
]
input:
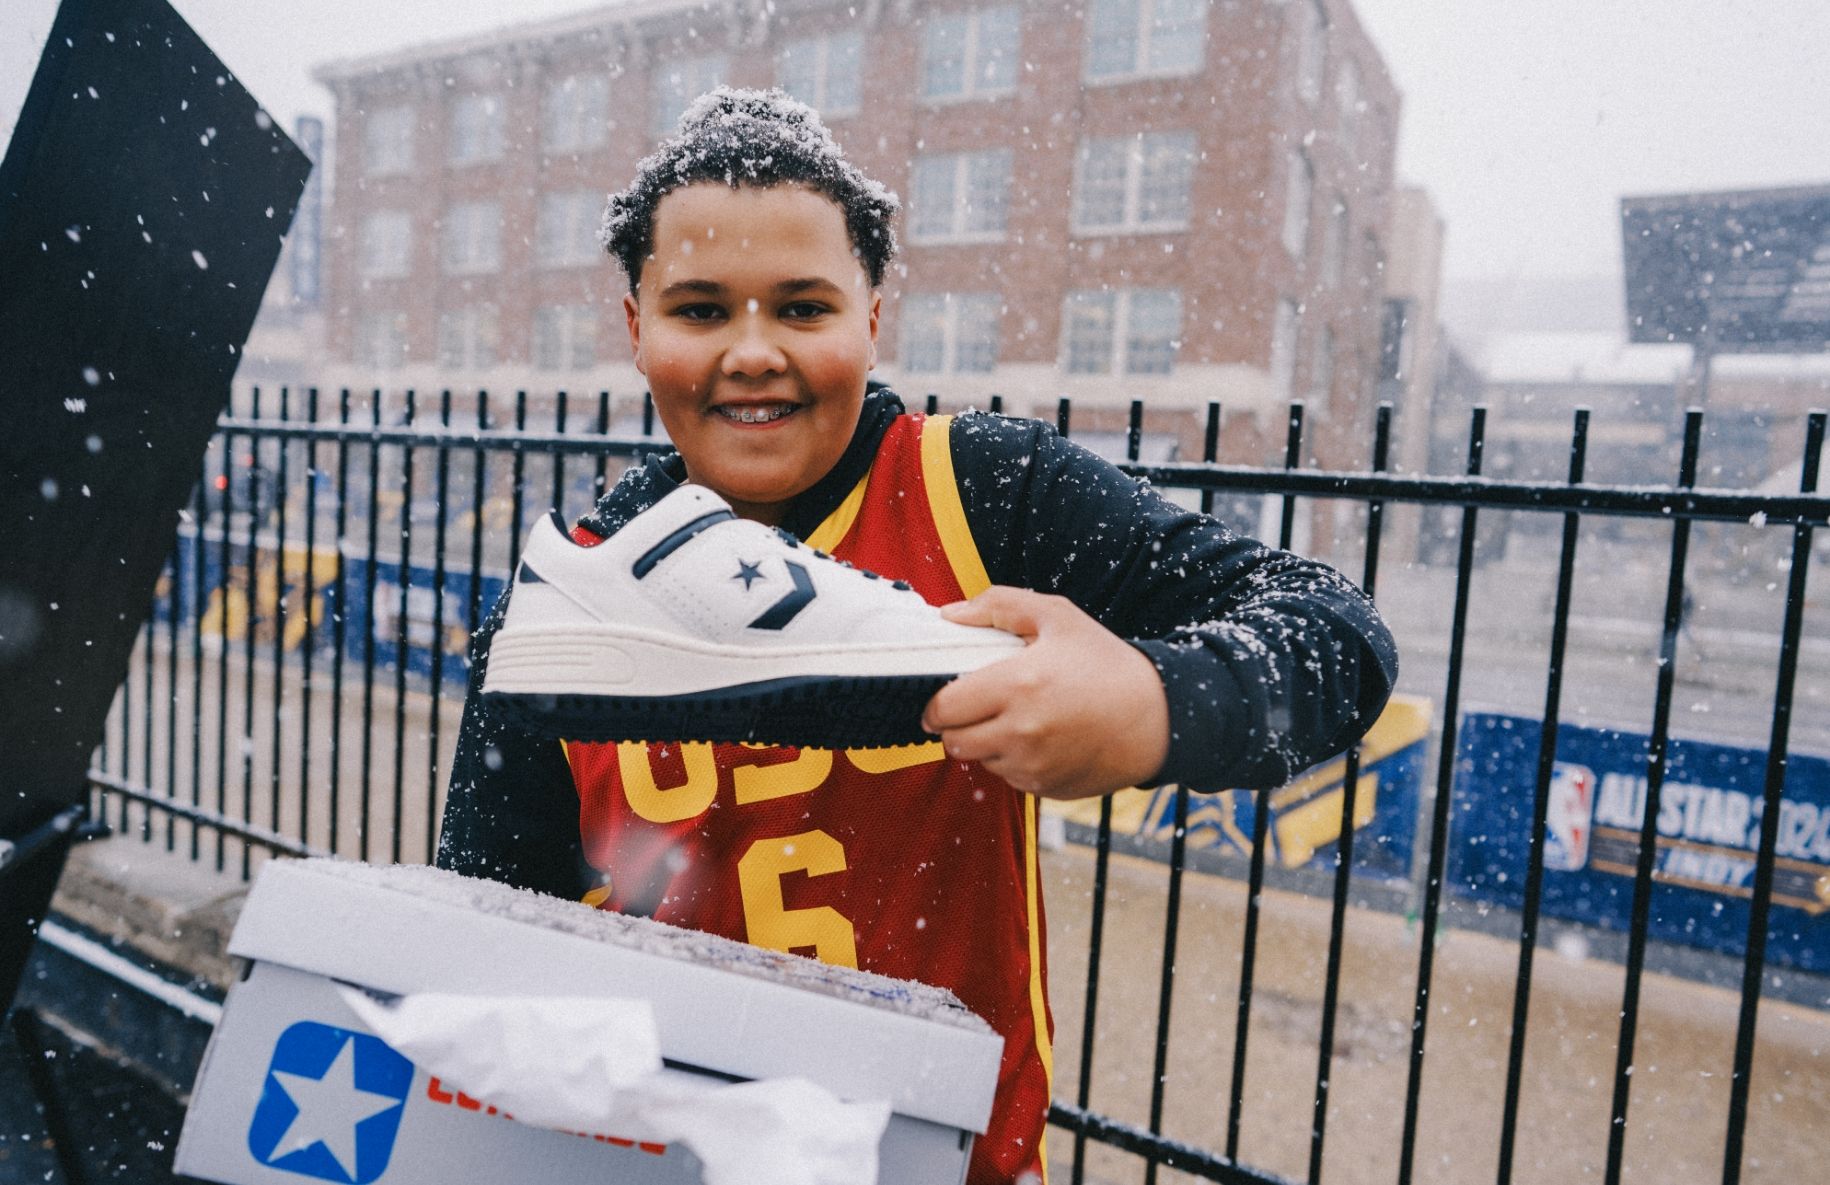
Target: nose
[{"x": 753, "y": 351}]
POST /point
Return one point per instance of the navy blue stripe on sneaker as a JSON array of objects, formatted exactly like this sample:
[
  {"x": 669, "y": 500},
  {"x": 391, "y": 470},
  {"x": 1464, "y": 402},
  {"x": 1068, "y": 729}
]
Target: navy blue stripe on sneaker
[
  {"x": 785, "y": 610},
  {"x": 675, "y": 541}
]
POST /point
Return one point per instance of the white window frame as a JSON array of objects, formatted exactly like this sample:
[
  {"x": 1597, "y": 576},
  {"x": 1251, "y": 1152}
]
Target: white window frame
[
  {"x": 565, "y": 228},
  {"x": 565, "y": 337},
  {"x": 1348, "y": 103},
  {"x": 1321, "y": 371},
  {"x": 475, "y": 134},
  {"x": 1120, "y": 311},
  {"x": 387, "y": 141},
  {"x": 380, "y": 340},
  {"x": 974, "y": 55},
  {"x": 1142, "y": 25},
  {"x": 1286, "y": 326},
  {"x": 957, "y": 225},
  {"x": 959, "y": 315},
  {"x": 385, "y": 246},
  {"x": 823, "y": 58},
  {"x": 1299, "y": 199},
  {"x": 1137, "y": 180},
  {"x": 674, "y": 85},
  {"x": 575, "y": 113},
  {"x": 1334, "y": 243},
  {"x": 475, "y": 331},
  {"x": 1311, "y": 50},
  {"x": 471, "y": 239}
]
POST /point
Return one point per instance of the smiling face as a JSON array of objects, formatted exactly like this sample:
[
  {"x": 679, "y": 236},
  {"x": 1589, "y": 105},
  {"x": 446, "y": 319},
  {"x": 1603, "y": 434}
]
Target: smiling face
[{"x": 756, "y": 327}]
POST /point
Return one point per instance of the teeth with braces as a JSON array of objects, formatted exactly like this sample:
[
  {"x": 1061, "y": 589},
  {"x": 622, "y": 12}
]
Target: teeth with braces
[{"x": 748, "y": 415}]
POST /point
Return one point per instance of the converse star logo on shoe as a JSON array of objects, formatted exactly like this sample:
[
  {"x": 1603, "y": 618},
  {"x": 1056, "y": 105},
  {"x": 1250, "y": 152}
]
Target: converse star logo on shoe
[{"x": 748, "y": 573}]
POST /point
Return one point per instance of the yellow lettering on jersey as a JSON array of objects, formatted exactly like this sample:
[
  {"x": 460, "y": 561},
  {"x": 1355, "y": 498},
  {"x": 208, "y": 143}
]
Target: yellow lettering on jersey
[
  {"x": 691, "y": 798},
  {"x": 768, "y": 922},
  {"x": 759, "y": 783},
  {"x": 883, "y": 761}
]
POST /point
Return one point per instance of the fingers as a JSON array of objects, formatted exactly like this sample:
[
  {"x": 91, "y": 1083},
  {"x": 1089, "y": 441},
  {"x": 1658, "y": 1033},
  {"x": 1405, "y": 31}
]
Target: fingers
[
  {"x": 970, "y": 699},
  {"x": 1014, "y": 610}
]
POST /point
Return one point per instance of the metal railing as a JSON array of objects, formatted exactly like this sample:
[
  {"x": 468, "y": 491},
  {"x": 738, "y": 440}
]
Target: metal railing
[{"x": 297, "y": 687}]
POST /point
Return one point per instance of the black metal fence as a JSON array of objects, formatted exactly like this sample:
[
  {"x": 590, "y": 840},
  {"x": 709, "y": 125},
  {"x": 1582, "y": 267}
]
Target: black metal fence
[{"x": 297, "y": 688}]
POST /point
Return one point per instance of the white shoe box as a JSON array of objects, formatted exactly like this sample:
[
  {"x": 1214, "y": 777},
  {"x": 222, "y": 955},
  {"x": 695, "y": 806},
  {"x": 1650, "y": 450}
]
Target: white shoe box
[{"x": 724, "y": 1011}]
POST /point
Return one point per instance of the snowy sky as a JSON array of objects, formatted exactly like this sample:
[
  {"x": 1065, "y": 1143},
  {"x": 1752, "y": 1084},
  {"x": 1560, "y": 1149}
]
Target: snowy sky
[{"x": 1526, "y": 122}]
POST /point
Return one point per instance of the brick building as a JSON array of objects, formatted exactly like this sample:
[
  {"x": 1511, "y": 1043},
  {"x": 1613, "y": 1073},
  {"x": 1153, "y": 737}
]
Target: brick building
[{"x": 1173, "y": 200}]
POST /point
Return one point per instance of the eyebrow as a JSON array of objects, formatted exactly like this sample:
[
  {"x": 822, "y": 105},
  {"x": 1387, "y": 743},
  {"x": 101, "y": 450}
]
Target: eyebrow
[{"x": 794, "y": 287}]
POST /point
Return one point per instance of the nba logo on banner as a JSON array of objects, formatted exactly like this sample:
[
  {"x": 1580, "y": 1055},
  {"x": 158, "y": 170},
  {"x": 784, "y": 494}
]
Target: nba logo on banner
[
  {"x": 331, "y": 1104},
  {"x": 1569, "y": 819}
]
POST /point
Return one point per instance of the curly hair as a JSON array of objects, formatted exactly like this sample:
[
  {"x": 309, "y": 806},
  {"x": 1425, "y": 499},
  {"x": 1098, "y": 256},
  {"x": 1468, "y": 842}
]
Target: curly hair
[{"x": 756, "y": 138}]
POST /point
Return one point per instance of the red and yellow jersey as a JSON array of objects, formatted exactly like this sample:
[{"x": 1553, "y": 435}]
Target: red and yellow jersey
[{"x": 896, "y": 861}]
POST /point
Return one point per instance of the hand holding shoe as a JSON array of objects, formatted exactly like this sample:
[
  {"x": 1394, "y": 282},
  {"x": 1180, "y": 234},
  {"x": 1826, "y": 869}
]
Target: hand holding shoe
[{"x": 1077, "y": 713}]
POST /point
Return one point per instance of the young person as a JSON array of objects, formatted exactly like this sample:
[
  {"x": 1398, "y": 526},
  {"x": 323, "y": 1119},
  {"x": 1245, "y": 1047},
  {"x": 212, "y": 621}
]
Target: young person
[{"x": 1161, "y": 646}]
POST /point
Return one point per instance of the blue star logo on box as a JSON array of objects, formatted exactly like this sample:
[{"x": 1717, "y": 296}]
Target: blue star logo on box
[{"x": 331, "y": 1105}]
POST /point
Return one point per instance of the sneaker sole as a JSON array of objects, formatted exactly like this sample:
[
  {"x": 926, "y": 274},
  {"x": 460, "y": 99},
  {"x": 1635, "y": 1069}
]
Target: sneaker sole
[
  {"x": 615, "y": 685},
  {"x": 845, "y": 712}
]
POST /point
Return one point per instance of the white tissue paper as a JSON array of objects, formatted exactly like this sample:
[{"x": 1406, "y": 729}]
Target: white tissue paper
[
  {"x": 785, "y": 1131},
  {"x": 594, "y": 1064}
]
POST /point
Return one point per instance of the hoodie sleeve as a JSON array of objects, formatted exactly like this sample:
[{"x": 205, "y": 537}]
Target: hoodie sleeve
[{"x": 1270, "y": 661}]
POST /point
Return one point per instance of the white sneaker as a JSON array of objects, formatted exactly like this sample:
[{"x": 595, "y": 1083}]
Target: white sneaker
[{"x": 692, "y": 624}]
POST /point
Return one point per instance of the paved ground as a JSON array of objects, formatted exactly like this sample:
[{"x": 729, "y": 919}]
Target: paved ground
[
  {"x": 1678, "y": 1111},
  {"x": 1676, "y": 1123},
  {"x": 126, "y": 1126}
]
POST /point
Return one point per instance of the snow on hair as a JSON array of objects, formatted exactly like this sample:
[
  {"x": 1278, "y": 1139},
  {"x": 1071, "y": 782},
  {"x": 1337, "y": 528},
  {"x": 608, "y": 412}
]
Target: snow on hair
[{"x": 748, "y": 137}]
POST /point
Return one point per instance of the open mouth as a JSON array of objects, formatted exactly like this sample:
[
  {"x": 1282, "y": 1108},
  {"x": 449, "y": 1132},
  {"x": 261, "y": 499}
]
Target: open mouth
[{"x": 751, "y": 414}]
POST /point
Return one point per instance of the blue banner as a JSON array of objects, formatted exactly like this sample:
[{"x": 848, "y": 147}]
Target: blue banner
[
  {"x": 1304, "y": 827},
  {"x": 304, "y": 597},
  {"x": 1708, "y": 827}
]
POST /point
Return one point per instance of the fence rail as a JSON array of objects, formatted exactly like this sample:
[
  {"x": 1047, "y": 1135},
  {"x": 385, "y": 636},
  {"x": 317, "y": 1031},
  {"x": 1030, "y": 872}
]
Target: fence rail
[{"x": 297, "y": 687}]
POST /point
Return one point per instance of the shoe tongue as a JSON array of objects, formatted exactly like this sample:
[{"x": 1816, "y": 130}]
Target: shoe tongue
[{"x": 682, "y": 506}]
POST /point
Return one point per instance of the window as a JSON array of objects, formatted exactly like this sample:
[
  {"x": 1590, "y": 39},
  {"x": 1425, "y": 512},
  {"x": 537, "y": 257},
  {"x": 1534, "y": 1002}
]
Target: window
[
  {"x": 969, "y": 54},
  {"x": 476, "y": 130},
  {"x": 1321, "y": 369},
  {"x": 1299, "y": 192},
  {"x": 467, "y": 338},
  {"x": 381, "y": 340},
  {"x": 1121, "y": 331},
  {"x": 960, "y": 196},
  {"x": 473, "y": 238},
  {"x": 1283, "y": 350},
  {"x": 1334, "y": 247},
  {"x": 1155, "y": 318},
  {"x": 387, "y": 142},
  {"x": 1347, "y": 102},
  {"x": 1311, "y": 49},
  {"x": 1131, "y": 38},
  {"x": 575, "y": 114},
  {"x": 953, "y": 333},
  {"x": 1394, "y": 339},
  {"x": 385, "y": 251},
  {"x": 1134, "y": 183},
  {"x": 565, "y": 337},
  {"x": 676, "y": 84},
  {"x": 565, "y": 228},
  {"x": 824, "y": 72}
]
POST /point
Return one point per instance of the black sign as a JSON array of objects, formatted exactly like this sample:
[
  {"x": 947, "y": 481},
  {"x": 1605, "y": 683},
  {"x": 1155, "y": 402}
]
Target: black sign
[{"x": 1741, "y": 272}]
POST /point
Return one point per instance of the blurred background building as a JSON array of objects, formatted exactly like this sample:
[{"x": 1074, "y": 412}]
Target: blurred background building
[{"x": 1171, "y": 200}]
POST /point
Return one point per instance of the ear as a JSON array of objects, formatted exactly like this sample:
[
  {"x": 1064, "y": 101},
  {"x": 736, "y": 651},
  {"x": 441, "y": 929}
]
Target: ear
[
  {"x": 632, "y": 312},
  {"x": 876, "y": 312}
]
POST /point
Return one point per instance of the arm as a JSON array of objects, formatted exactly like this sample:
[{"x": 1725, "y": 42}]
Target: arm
[
  {"x": 1265, "y": 662},
  {"x": 511, "y": 813}
]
